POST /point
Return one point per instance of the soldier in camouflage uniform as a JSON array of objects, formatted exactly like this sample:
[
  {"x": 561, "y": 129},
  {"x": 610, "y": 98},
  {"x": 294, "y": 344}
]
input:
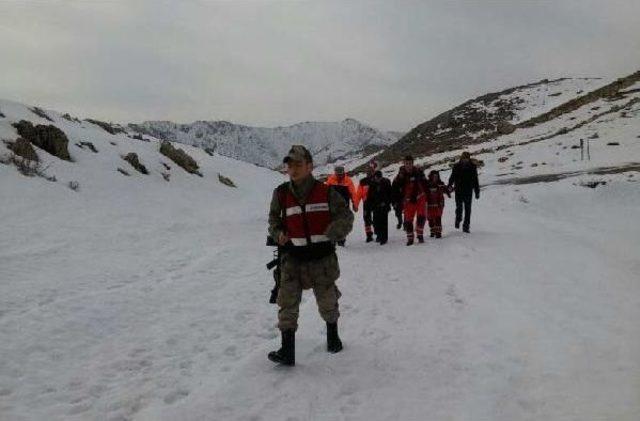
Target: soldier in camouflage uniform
[{"x": 307, "y": 218}]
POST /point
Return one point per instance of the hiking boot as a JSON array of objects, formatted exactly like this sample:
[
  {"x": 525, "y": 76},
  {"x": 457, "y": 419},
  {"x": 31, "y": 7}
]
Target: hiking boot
[
  {"x": 433, "y": 234},
  {"x": 420, "y": 239},
  {"x": 286, "y": 355},
  {"x": 410, "y": 242},
  {"x": 465, "y": 229},
  {"x": 457, "y": 224},
  {"x": 438, "y": 235},
  {"x": 399, "y": 225},
  {"x": 369, "y": 238},
  {"x": 334, "y": 344},
  {"x": 382, "y": 242}
]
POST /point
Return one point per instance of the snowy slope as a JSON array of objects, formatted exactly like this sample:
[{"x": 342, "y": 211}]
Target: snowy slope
[
  {"x": 140, "y": 299},
  {"x": 611, "y": 127},
  {"x": 97, "y": 172},
  {"x": 266, "y": 146},
  {"x": 534, "y": 99},
  {"x": 480, "y": 118}
]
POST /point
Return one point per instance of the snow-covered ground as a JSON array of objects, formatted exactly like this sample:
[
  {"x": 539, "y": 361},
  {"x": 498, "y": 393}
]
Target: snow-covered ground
[{"x": 140, "y": 299}]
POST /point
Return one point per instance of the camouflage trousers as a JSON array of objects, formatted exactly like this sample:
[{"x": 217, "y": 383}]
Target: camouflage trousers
[{"x": 296, "y": 276}]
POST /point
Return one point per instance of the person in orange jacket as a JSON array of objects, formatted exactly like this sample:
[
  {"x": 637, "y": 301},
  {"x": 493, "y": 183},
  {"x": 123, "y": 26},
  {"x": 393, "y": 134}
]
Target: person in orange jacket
[
  {"x": 343, "y": 184},
  {"x": 367, "y": 208}
]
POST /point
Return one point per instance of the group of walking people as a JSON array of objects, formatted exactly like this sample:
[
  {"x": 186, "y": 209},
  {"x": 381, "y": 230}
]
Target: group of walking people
[
  {"x": 307, "y": 218},
  {"x": 415, "y": 198}
]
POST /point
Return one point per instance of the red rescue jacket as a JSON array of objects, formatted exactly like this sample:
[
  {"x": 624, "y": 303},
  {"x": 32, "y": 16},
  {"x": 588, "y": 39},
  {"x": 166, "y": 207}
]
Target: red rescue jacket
[
  {"x": 306, "y": 225},
  {"x": 412, "y": 185}
]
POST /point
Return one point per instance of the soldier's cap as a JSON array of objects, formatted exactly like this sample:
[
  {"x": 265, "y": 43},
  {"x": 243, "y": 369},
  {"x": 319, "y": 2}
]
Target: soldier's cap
[
  {"x": 408, "y": 158},
  {"x": 378, "y": 174},
  {"x": 339, "y": 169},
  {"x": 298, "y": 153}
]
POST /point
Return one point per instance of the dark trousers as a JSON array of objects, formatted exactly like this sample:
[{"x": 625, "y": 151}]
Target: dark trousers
[
  {"x": 435, "y": 224},
  {"x": 367, "y": 214},
  {"x": 463, "y": 200},
  {"x": 381, "y": 224},
  {"x": 398, "y": 211}
]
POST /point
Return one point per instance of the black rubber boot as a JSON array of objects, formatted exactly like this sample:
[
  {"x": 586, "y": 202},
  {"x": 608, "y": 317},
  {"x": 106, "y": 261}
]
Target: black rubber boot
[
  {"x": 420, "y": 239},
  {"x": 286, "y": 355},
  {"x": 409, "y": 241},
  {"x": 438, "y": 235},
  {"x": 465, "y": 228},
  {"x": 334, "y": 344},
  {"x": 369, "y": 238},
  {"x": 433, "y": 234}
]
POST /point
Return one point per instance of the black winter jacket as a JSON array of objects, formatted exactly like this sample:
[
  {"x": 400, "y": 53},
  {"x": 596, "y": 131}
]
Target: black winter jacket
[
  {"x": 379, "y": 195},
  {"x": 464, "y": 176}
]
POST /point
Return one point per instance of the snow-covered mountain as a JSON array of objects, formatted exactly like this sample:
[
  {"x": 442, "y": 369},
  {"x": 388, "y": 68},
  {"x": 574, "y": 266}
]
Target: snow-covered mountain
[
  {"x": 490, "y": 115},
  {"x": 327, "y": 141}
]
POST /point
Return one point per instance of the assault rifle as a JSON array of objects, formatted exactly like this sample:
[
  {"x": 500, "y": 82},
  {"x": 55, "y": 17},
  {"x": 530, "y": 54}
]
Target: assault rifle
[{"x": 275, "y": 263}]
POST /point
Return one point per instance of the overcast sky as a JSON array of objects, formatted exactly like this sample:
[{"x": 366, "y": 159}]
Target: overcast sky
[{"x": 390, "y": 64}]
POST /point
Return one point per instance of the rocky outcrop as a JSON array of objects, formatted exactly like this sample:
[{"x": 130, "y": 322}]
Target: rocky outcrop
[
  {"x": 180, "y": 157},
  {"x": 132, "y": 158},
  {"x": 226, "y": 180},
  {"x": 504, "y": 127},
  {"x": 107, "y": 127},
  {"x": 49, "y": 138}
]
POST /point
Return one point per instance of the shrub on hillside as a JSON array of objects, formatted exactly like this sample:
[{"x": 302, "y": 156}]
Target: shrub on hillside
[
  {"x": 26, "y": 167},
  {"x": 180, "y": 157},
  {"x": 40, "y": 113},
  {"x": 24, "y": 149}
]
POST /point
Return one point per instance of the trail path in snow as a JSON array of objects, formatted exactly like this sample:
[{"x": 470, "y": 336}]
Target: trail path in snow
[{"x": 530, "y": 317}]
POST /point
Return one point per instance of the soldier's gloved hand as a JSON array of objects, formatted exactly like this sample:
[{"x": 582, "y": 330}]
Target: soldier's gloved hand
[{"x": 282, "y": 239}]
